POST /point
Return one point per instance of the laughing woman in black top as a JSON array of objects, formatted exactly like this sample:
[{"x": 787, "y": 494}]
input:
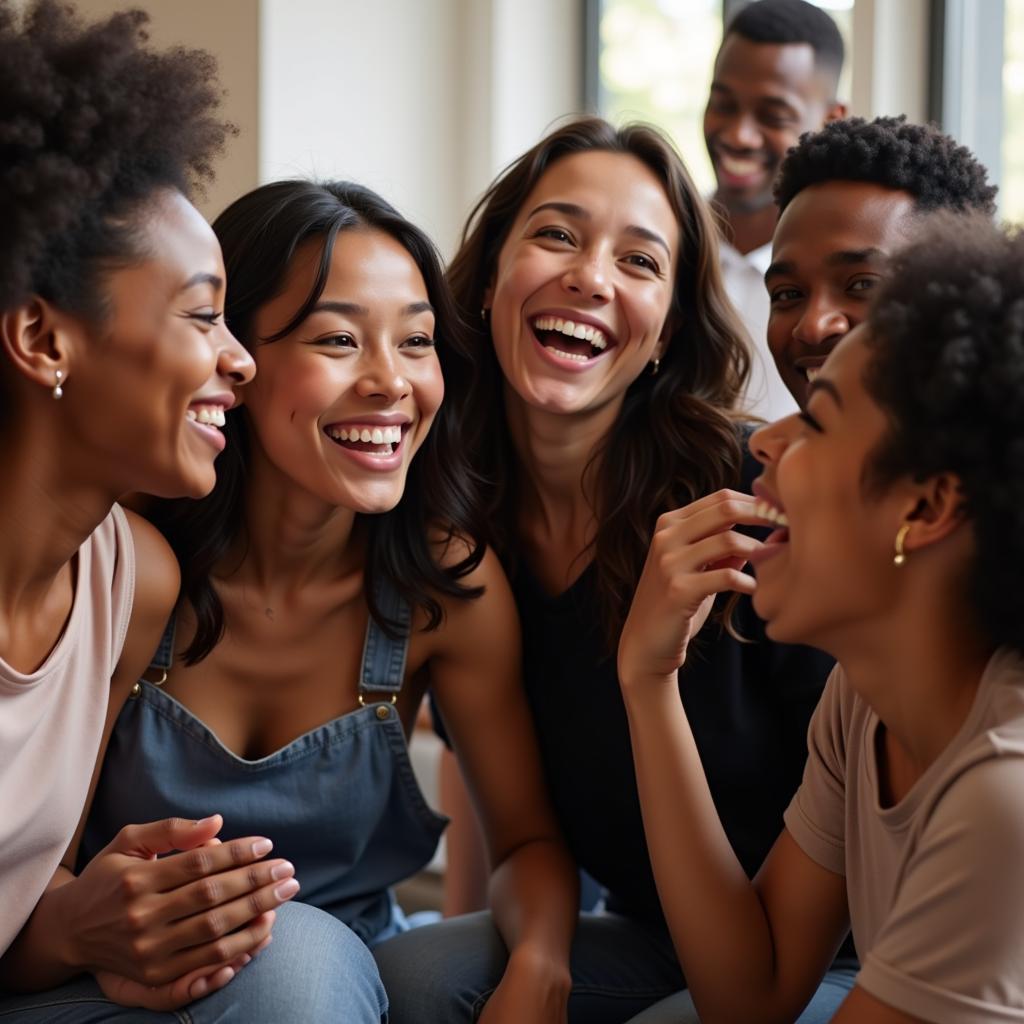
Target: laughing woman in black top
[{"x": 613, "y": 365}]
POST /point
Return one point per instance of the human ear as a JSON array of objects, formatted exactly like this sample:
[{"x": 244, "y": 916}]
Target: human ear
[
  {"x": 36, "y": 339},
  {"x": 836, "y": 111},
  {"x": 937, "y": 512}
]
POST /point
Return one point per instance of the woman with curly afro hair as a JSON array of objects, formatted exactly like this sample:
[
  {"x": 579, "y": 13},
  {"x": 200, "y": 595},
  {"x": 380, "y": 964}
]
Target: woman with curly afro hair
[
  {"x": 115, "y": 373},
  {"x": 897, "y": 497}
]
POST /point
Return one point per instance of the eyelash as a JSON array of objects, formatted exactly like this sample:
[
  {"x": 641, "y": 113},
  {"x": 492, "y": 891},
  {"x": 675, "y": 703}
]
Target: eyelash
[
  {"x": 649, "y": 263},
  {"x": 207, "y": 318},
  {"x": 420, "y": 340},
  {"x": 811, "y": 421},
  {"x": 552, "y": 232},
  {"x": 652, "y": 265}
]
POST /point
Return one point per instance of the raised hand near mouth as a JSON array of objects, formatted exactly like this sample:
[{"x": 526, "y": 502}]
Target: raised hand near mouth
[{"x": 695, "y": 554}]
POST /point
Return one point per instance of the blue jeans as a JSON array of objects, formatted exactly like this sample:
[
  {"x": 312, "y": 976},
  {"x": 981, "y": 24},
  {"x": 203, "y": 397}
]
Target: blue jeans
[
  {"x": 315, "y": 970},
  {"x": 834, "y": 988},
  {"x": 444, "y": 973}
]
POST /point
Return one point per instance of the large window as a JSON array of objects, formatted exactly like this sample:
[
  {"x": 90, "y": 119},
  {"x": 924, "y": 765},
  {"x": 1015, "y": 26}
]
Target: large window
[
  {"x": 1012, "y": 199},
  {"x": 654, "y": 60}
]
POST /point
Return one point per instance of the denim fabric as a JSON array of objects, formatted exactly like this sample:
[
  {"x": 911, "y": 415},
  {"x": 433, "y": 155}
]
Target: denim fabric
[
  {"x": 340, "y": 802},
  {"x": 315, "y": 971},
  {"x": 444, "y": 973},
  {"x": 834, "y": 988}
]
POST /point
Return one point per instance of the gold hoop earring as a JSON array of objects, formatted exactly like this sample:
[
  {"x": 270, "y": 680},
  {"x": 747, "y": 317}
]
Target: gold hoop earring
[
  {"x": 900, "y": 556},
  {"x": 58, "y": 391},
  {"x": 655, "y": 366}
]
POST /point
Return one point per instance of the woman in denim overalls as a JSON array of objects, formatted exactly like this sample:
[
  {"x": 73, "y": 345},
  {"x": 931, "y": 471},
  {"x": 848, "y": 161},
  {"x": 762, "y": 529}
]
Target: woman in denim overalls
[{"x": 317, "y": 608}]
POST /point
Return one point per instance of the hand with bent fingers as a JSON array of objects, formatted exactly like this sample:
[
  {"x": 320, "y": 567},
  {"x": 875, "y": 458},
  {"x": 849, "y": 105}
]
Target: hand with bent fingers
[
  {"x": 160, "y": 931},
  {"x": 174, "y": 994},
  {"x": 695, "y": 555}
]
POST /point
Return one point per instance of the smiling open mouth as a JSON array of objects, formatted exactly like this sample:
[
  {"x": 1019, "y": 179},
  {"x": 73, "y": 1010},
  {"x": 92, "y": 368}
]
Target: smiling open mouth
[
  {"x": 771, "y": 514},
  {"x": 369, "y": 439},
  {"x": 571, "y": 340}
]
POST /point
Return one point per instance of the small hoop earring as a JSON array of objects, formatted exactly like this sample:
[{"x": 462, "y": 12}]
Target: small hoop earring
[
  {"x": 655, "y": 367},
  {"x": 58, "y": 391},
  {"x": 484, "y": 313},
  {"x": 900, "y": 556}
]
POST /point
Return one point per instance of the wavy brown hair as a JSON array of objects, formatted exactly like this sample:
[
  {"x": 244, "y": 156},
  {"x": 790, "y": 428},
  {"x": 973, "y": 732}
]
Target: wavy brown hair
[{"x": 676, "y": 437}]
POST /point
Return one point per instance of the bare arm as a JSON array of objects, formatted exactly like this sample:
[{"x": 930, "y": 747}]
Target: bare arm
[
  {"x": 861, "y": 1007},
  {"x": 750, "y": 951},
  {"x": 534, "y": 885}
]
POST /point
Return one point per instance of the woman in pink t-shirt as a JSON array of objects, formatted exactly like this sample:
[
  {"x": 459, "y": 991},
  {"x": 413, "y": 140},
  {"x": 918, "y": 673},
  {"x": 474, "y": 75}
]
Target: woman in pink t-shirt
[
  {"x": 898, "y": 500},
  {"x": 115, "y": 373}
]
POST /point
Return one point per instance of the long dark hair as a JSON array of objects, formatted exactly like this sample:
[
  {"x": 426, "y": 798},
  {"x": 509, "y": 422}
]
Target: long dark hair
[
  {"x": 260, "y": 234},
  {"x": 674, "y": 439}
]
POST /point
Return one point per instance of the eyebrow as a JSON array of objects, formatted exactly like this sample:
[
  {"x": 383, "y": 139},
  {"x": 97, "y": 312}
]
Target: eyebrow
[
  {"x": 772, "y": 101},
  {"x": 844, "y": 258},
  {"x": 573, "y": 210},
  {"x": 354, "y": 309},
  {"x": 823, "y": 384},
  {"x": 203, "y": 278},
  {"x": 777, "y": 101}
]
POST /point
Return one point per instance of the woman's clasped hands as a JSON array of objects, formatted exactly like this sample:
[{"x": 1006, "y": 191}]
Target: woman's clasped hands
[{"x": 161, "y": 931}]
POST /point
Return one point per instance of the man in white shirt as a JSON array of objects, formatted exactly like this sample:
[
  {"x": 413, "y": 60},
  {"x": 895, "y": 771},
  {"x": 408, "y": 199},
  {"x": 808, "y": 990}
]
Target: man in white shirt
[{"x": 775, "y": 77}]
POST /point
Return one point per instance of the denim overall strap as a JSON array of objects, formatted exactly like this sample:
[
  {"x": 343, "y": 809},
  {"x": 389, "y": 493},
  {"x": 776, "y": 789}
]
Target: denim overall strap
[
  {"x": 164, "y": 657},
  {"x": 383, "y": 667}
]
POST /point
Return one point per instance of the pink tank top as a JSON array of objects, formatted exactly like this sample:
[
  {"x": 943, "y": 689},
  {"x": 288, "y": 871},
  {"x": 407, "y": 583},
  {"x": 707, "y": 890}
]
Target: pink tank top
[{"x": 51, "y": 724}]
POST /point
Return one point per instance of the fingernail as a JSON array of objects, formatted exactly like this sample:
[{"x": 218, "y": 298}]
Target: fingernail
[
  {"x": 282, "y": 870},
  {"x": 286, "y": 889},
  {"x": 261, "y": 847},
  {"x": 205, "y": 821}
]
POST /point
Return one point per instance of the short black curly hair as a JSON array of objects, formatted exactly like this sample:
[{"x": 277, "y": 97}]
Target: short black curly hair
[
  {"x": 792, "y": 21},
  {"x": 92, "y": 124},
  {"x": 888, "y": 151},
  {"x": 946, "y": 335}
]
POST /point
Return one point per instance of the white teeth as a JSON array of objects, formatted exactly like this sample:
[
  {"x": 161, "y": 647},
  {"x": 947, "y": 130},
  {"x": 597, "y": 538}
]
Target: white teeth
[
  {"x": 741, "y": 168},
  {"x": 570, "y": 355},
  {"x": 769, "y": 512},
  {"x": 812, "y": 372},
  {"x": 370, "y": 435},
  {"x": 571, "y": 329},
  {"x": 212, "y": 415}
]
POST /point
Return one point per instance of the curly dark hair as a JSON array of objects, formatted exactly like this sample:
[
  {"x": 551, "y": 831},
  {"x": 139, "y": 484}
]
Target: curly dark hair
[
  {"x": 260, "y": 234},
  {"x": 792, "y": 21},
  {"x": 947, "y": 367},
  {"x": 687, "y": 406},
  {"x": 92, "y": 123},
  {"x": 916, "y": 158}
]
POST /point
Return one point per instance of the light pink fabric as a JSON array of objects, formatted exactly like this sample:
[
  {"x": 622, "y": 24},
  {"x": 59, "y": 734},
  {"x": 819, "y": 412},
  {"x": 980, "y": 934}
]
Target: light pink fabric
[
  {"x": 936, "y": 882},
  {"x": 51, "y": 723}
]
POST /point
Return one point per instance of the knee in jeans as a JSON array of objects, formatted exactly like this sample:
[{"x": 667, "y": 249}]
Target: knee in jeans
[{"x": 320, "y": 969}]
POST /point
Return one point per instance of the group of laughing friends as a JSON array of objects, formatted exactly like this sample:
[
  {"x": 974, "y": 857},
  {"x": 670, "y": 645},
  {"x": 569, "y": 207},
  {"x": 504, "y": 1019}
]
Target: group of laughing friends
[{"x": 761, "y": 681}]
